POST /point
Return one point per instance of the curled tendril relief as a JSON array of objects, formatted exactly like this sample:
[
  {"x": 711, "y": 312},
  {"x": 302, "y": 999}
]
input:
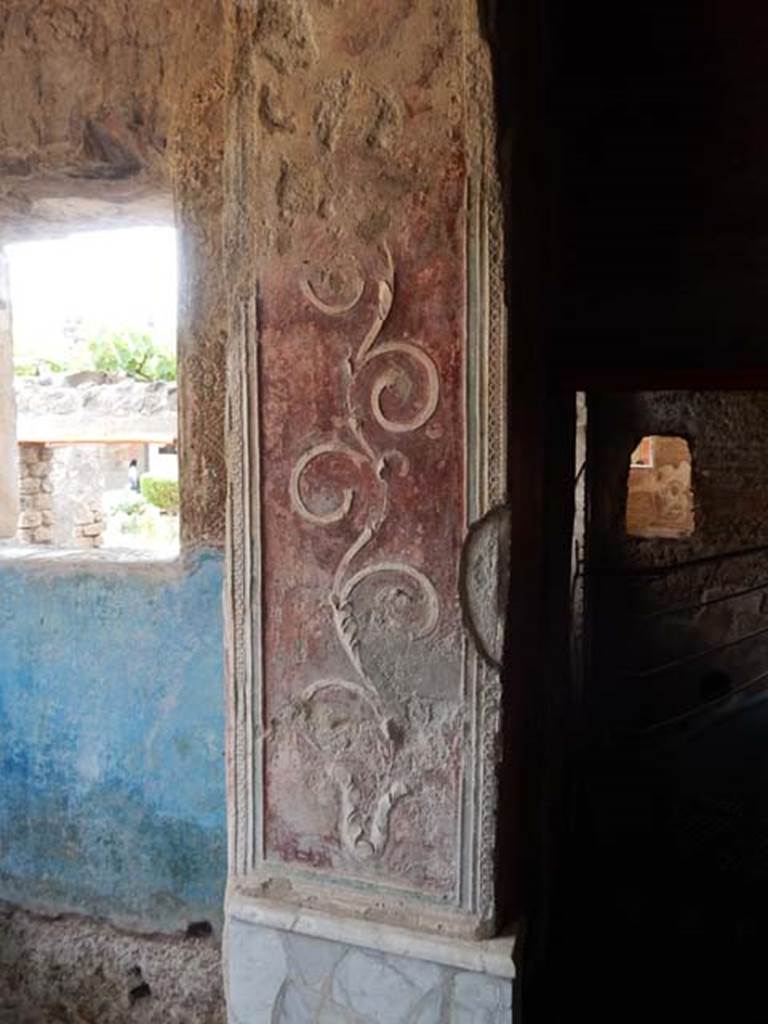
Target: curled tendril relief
[
  {"x": 393, "y": 378},
  {"x": 337, "y": 290},
  {"x": 425, "y": 585},
  {"x": 347, "y": 497}
]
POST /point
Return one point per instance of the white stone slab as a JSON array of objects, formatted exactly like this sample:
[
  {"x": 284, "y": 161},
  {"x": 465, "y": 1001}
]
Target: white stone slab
[{"x": 486, "y": 956}]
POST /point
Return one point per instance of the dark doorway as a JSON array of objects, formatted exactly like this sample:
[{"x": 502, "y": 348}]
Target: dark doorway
[
  {"x": 664, "y": 887},
  {"x": 637, "y": 167}
]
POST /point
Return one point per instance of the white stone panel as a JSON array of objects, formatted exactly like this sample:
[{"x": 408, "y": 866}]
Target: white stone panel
[
  {"x": 256, "y": 968},
  {"x": 370, "y": 986},
  {"x": 282, "y": 978}
]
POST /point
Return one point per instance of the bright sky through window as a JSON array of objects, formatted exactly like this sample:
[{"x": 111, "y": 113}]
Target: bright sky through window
[{"x": 121, "y": 280}]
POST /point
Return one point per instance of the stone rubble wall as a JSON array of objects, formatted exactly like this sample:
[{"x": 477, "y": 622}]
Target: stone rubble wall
[
  {"x": 36, "y": 498},
  {"x": 82, "y": 475},
  {"x": 89, "y": 528},
  {"x": 71, "y": 449},
  {"x": 62, "y": 490},
  {"x": 93, "y": 406},
  {"x": 74, "y": 969}
]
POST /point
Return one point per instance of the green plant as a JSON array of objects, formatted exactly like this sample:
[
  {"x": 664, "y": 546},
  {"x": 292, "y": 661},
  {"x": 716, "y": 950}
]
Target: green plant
[
  {"x": 129, "y": 506},
  {"x": 131, "y": 352},
  {"x": 32, "y": 368},
  {"x": 160, "y": 492}
]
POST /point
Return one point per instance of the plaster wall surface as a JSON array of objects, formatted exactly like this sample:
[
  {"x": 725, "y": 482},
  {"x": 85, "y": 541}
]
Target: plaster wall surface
[
  {"x": 366, "y": 588},
  {"x": 333, "y": 173},
  {"x": 111, "y": 718},
  {"x": 79, "y": 970}
]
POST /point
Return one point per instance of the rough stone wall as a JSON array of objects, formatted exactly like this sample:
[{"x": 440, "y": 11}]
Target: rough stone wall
[
  {"x": 62, "y": 490},
  {"x": 203, "y": 75},
  {"x": 92, "y": 406},
  {"x": 81, "y": 475},
  {"x": 87, "y": 120},
  {"x": 35, "y": 468},
  {"x": 83, "y": 971}
]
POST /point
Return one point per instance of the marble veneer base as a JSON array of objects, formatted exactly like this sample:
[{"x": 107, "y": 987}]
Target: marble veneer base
[{"x": 289, "y": 971}]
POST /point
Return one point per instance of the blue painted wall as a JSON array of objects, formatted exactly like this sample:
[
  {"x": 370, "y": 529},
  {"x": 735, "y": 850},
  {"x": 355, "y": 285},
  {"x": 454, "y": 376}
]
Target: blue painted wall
[{"x": 112, "y": 781}]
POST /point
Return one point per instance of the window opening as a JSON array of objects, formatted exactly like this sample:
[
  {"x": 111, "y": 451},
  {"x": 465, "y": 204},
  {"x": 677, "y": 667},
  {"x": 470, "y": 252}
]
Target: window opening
[
  {"x": 94, "y": 357},
  {"x": 659, "y": 489},
  {"x": 642, "y": 456}
]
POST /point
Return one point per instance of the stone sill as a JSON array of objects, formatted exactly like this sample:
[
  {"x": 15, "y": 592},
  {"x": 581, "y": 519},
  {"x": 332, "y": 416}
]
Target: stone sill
[
  {"x": 483, "y": 956},
  {"x": 46, "y": 558}
]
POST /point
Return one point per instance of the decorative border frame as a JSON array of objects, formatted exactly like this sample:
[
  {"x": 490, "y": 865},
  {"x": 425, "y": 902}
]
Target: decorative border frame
[{"x": 485, "y": 489}]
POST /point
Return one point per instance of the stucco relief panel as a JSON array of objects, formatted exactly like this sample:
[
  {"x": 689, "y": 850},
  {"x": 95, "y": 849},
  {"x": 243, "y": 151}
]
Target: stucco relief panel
[{"x": 362, "y": 480}]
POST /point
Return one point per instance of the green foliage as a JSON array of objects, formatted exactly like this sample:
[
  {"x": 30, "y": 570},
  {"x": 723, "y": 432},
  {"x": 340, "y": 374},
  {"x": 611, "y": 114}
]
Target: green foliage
[
  {"x": 131, "y": 352},
  {"x": 129, "y": 506},
  {"x": 33, "y": 368},
  {"x": 160, "y": 492}
]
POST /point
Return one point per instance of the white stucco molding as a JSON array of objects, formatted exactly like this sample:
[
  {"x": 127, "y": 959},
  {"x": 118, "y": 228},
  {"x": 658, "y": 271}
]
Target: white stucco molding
[{"x": 489, "y": 956}]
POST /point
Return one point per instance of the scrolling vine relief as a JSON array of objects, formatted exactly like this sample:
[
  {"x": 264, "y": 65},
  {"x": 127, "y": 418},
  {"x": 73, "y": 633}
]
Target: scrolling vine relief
[{"x": 370, "y": 739}]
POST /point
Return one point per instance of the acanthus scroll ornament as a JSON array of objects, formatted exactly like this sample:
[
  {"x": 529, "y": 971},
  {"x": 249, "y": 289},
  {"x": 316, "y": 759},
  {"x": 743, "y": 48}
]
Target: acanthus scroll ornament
[{"x": 364, "y": 834}]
